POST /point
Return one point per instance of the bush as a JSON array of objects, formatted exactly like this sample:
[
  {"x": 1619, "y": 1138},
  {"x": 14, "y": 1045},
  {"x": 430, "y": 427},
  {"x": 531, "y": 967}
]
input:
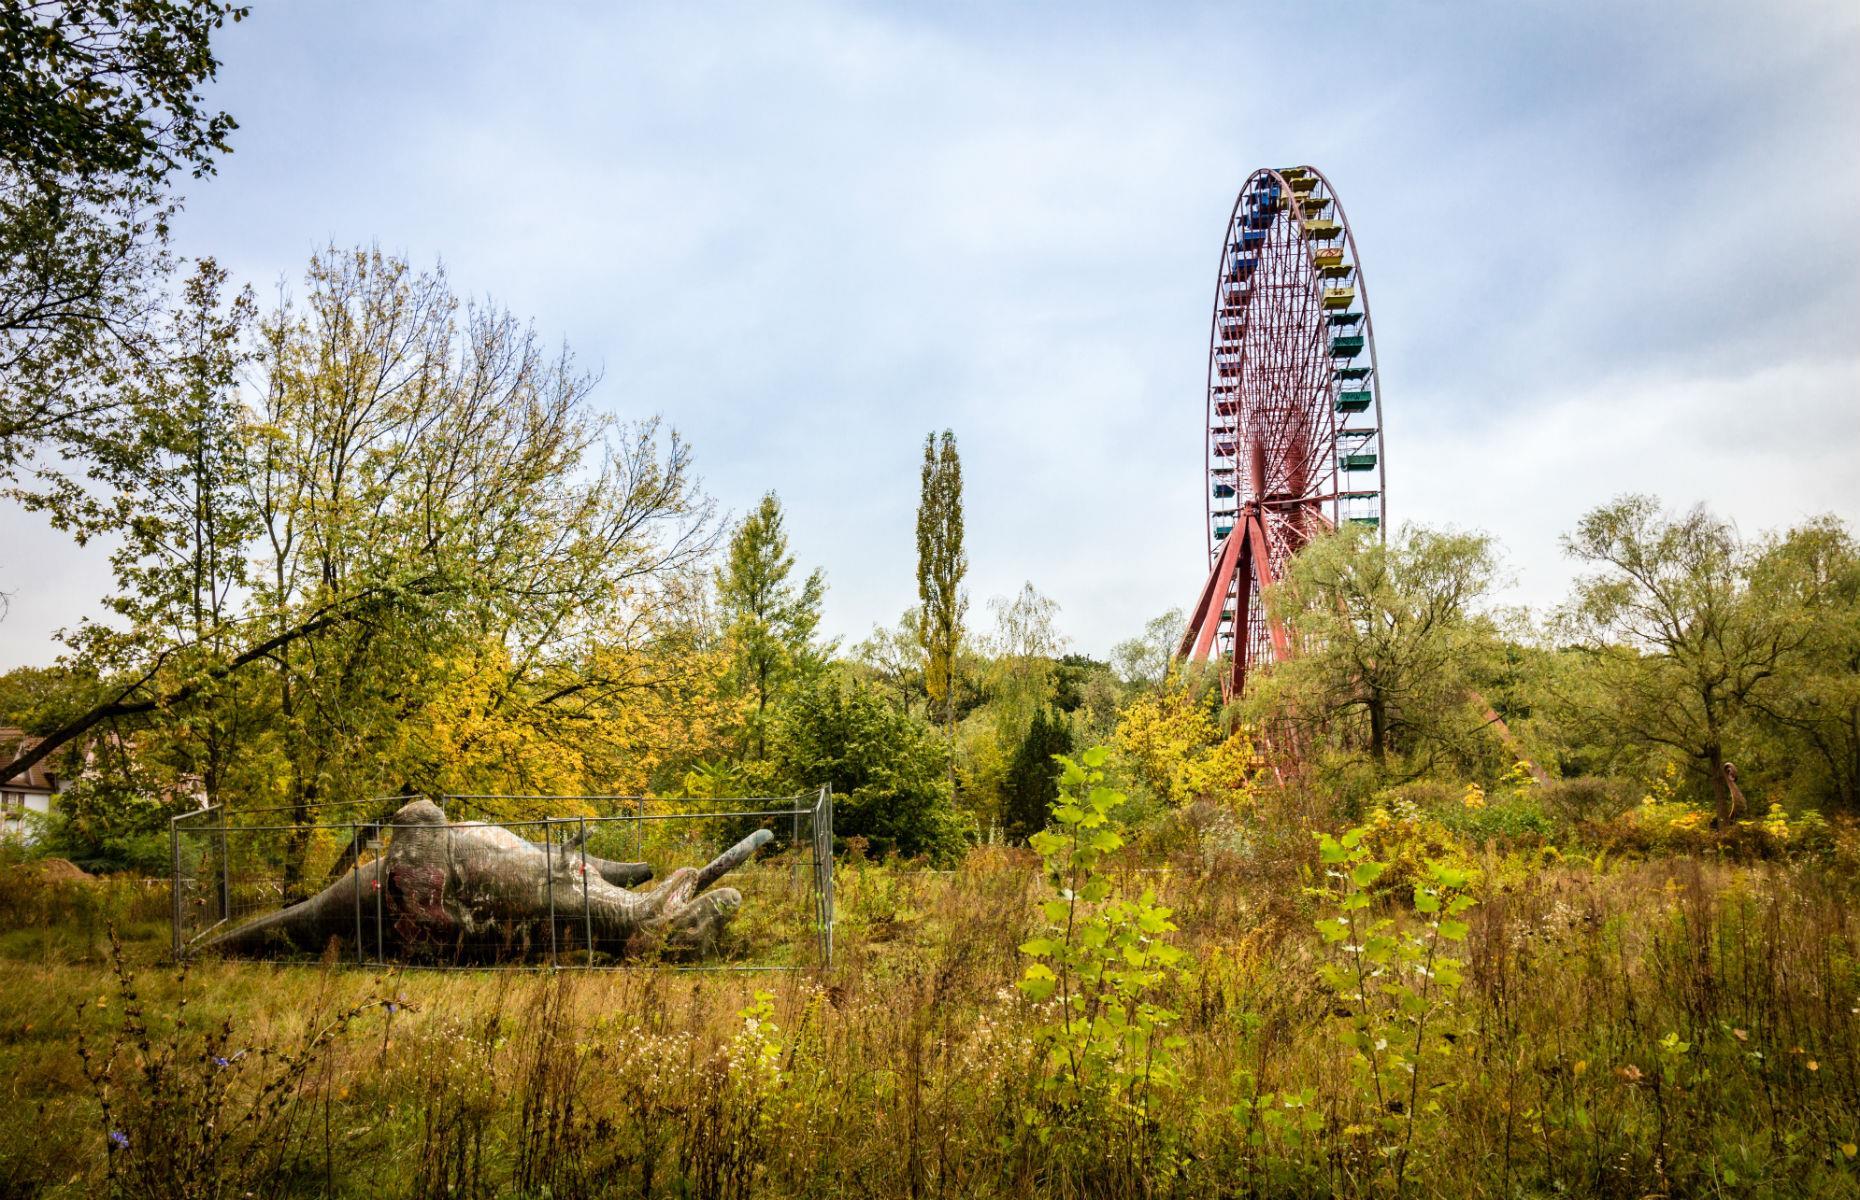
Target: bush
[
  {"x": 104, "y": 827},
  {"x": 887, "y": 769},
  {"x": 1033, "y": 777},
  {"x": 1585, "y": 798}
]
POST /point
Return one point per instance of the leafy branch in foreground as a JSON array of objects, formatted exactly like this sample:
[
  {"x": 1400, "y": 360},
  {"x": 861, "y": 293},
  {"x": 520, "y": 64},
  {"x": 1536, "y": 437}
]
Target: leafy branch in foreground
[
  {"x": 1101, "y": 970},
  {"x": 1395, "y": 984}
]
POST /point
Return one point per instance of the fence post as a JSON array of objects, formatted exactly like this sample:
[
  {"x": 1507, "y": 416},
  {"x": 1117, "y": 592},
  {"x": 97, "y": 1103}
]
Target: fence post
[
  {"x": 826, "y": 865},
  {"x": 174, "y": 880},
  {"x": 381, "y": 870},
  {"x": 549, "y": 881},
  {"x": 587, "y": 910},
  {"x": 355, "y": 869},
  {"x": 225, "y": 869}
]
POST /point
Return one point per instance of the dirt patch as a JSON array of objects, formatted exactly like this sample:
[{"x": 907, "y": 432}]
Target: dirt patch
[{"x": 58, "y": 870}]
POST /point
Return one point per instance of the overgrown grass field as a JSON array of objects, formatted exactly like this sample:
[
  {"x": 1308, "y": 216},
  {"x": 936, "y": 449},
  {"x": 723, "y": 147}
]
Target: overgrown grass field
[{"x": 1674, "y": 1024}]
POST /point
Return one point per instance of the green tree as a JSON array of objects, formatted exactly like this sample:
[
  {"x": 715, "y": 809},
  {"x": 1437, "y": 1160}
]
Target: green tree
[
  {"x": 886, "y": 767},
  {"x": 1810, "y": 579},
  {"x": 1022, "y": 672},
  {"x": 895, "y": 657},
  {"x": 1088, "y": 689},
  {"x": 941, "y": 565},
  {"x": 101, "y": 105},
  {"x": 770, "y": 623},
  {"x": 1390, "y": 642},
  {"x": 1145, "y": 659},
  {"x": 436, "y": 515},
  {"x": 1033, "y": 777},
  {"x": 183, "y": 530},
  {"x": 1680, "y": 648}
]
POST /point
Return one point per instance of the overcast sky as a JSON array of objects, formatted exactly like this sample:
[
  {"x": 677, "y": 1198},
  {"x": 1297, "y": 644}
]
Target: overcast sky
[{"x": 1608, "y": 247}]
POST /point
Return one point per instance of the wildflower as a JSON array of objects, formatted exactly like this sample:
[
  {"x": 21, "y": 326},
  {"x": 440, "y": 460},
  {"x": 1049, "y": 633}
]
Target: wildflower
[
  {"x": 221, "y": 1061},
  {"x": 118, "y": 1140}
]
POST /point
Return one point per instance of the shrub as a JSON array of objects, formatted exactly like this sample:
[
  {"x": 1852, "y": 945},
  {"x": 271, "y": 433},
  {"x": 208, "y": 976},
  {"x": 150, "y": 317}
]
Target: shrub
[
  {"x": 1104, "y": 962},
  {"x": 888, "y": 770},
  {"x": 1397, "y": 984},
  {"x": 1032, "y": 782}
]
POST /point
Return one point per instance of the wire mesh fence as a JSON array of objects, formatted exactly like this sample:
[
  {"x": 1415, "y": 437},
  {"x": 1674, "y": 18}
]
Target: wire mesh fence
[{"x": 500, "y": 881}]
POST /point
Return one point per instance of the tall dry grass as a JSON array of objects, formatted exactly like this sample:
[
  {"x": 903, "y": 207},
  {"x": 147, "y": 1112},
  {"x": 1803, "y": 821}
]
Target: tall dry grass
[{"x": 1675, "y": 1027}]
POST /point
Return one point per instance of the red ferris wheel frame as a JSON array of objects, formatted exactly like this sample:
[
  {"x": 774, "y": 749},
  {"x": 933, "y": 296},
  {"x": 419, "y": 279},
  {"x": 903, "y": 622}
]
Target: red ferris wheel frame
[{"x": 1293, "y": 444}]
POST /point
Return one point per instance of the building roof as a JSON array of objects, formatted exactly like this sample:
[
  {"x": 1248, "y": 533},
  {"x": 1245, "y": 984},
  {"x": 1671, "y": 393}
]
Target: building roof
[{"x": 38, "y": 777}]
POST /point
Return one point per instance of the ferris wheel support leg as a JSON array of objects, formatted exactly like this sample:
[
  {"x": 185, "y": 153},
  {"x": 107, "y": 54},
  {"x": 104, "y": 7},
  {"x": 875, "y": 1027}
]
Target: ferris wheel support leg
[
  {"x": 1263, "y": 578},
  {"x": 1205, "y": 621},
  {"x": 1243, "y": 599}
]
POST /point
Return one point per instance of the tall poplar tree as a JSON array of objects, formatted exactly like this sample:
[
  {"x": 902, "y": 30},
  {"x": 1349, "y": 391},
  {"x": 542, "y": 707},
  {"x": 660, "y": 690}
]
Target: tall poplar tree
[
  {"x": 941, "y": 564},
  {"x": 771, "y": 622}
]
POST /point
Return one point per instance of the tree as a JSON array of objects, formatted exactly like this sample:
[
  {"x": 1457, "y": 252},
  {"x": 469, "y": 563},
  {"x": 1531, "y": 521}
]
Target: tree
[
  {"x": 895, "y": 657},
  {"x": 1022, "y": 671},
  {"x": 886, "y": 768},
  {"x": 1088, "y": 690},
  {"x": 1033, "y": 777},
  {"x": 770, "y": 623},
  {"x": 101, "y": 105},
  {"x": 1810, "y": 578},
  {"x": 438, "y": 517},
  {"x": 1145, "y": 659},
  {"x": 184, "y": 525},
  {"x": 1162, "y": 735},
  {"x": 941, "y": 565},
  {"x": 1390, "y": 642},
  {"x": 1680, "y": 646}
]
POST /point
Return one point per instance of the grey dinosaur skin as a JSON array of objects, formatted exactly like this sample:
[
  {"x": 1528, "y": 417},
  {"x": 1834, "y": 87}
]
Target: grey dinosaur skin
[{"x": 474, "y": 890}]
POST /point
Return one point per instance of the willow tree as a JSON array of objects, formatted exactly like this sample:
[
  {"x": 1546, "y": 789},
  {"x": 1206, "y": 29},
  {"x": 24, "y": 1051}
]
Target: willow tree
[
  {"x": 1391, "y": 642},
  {"x": 1809, "y": 579},
  {"x": 1682, "y": 651}
]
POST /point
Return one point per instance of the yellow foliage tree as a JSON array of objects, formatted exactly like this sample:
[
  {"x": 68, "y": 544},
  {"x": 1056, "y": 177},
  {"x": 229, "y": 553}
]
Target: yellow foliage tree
[
  {"x": 1170, "y": 744},
  {"x": 617, "y": 724}
]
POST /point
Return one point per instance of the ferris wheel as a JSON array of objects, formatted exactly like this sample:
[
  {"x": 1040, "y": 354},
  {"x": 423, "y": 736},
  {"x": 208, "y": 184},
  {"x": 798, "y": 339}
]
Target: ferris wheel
[{"x": 1294, "y": 425}]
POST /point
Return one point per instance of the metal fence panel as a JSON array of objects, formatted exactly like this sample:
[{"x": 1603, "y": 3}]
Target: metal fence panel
[{"x": 234, "y": 868}]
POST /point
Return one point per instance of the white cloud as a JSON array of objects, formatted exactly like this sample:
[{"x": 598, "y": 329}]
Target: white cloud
[
  {"x": 1595, "y": 238},
  {"x": 1768, "y": 449}
]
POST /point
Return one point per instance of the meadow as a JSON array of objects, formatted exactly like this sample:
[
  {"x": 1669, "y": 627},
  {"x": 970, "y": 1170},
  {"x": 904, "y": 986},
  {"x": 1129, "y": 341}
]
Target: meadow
[{"x": 1666, "y": 1012}]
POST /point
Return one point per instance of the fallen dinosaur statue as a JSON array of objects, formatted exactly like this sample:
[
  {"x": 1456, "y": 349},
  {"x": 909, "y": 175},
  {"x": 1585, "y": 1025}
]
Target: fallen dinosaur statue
[{"x": 472, "y": 890}]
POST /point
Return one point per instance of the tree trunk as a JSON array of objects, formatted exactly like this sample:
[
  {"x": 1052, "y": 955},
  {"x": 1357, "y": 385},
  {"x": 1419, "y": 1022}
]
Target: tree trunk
[{"x": 1723, "y": 806}]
